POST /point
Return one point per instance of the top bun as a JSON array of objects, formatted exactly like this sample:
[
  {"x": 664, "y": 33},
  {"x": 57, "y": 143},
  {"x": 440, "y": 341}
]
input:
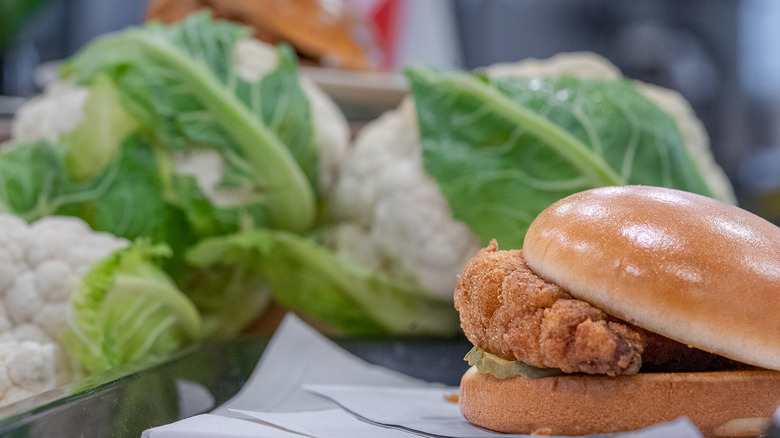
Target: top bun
[{"x": 682, "y": 265}]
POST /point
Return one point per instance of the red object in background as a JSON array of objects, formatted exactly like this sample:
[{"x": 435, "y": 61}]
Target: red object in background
[{"x": 385, "y": 14}]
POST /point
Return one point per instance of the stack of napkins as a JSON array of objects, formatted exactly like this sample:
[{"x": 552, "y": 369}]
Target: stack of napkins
[{"x": 306, "y": 385}]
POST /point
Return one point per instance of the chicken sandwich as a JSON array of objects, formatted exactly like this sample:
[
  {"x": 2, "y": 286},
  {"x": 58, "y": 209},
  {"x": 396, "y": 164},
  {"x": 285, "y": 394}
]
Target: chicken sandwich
[{"x": 627, "y": 306}]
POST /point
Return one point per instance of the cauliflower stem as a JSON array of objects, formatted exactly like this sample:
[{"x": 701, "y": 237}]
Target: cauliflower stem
[{"x": 307, "y": 277}]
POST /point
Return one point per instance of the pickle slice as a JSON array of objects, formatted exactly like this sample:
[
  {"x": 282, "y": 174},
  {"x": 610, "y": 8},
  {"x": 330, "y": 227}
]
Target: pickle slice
[{"x": 502, "y": 368}]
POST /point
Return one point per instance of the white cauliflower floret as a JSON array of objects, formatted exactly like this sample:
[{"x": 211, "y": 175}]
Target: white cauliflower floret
[
  {"x": 207, "y": 167},
  {"x": 42, "y": 263},
  {"x": 331, "y": 134},
  {"x": 580, "y": 64},
  {"x": 45, "y": 117},
  {"x": 40, "y": 266},
  {"x": 26, "y": 368},
  {"x": 392, "y": 215}
]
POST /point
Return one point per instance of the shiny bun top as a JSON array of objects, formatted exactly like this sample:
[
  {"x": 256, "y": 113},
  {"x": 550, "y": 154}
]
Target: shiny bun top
[{"x": 685, "y": 266}]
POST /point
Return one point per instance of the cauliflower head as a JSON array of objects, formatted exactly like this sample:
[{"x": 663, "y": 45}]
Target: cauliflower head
[
  {"x": 40, "y": 265},
  {"x": 60, "y": 109},
  {"x": 392, "y": 215},
  {"x": 26, "y": 368}
]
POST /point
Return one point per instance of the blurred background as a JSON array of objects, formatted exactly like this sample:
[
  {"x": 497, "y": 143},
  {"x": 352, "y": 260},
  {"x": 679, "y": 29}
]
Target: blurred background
[{"x": 722, "y": 55}]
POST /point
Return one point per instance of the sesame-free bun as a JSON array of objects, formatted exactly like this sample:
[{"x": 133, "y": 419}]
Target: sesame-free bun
[
  {"x": 682, "y": 265},
  {"x": 723, "y": 403}
]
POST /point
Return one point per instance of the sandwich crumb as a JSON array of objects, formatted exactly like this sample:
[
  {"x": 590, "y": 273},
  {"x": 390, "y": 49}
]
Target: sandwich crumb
[
  {"x": 544, "y": 431},
  {"x": 452, "y": 398}
]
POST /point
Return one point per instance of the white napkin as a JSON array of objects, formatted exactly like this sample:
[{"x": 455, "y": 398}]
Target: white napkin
[
  {"x": 296, "y": 355},
  {"x": 215, "y": 426},
  {"x": 429, "y": 412},
  {"x": 306, "y": 385},
  {"x": 329, "y": 423}
]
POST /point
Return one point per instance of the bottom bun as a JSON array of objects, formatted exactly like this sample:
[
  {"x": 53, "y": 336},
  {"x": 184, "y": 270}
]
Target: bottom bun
[{"x": 720, "y": 404}]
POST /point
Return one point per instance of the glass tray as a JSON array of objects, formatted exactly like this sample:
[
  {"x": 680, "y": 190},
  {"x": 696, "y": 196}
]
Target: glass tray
[{"x": 129, "y": 400}]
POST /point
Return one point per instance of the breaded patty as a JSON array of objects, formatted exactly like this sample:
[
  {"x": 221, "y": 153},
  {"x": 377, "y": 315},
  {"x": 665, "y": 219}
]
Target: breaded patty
[{"x": 509, "y": 311}]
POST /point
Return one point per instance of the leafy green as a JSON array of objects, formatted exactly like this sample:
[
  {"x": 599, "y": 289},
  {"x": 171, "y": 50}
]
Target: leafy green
[
  {"x": 106, "y": 124},
  {"x": 35, "y": 182},
  {"x": 305, "y": 276},
  {"x": 43, "y": 179},
  {"x": 131, "y": 206},
  {"x": 158, "y": 95},
  {"x": 229, "y": 293},
  {"x": 180, "y": 83},
  {"x": 126, "y": 308},
  {"x": 503, "y": 149}
]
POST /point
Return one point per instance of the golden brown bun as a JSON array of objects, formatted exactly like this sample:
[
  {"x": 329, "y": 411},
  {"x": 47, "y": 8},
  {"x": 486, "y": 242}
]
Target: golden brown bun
[
  {"x": 716, "y": 402},
  {"x": 682, "y": 265},
  {"x": 332, "y": 37}
]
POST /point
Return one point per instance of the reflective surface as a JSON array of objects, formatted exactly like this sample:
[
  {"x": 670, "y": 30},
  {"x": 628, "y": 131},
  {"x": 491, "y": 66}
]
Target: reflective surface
[{"x": 125, "y": 402}]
